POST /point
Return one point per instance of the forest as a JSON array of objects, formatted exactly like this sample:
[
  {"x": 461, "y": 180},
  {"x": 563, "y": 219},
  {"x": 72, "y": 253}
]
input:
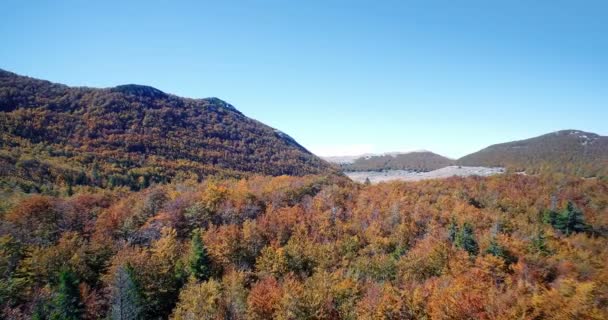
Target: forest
[
  {"x": 313, "y": 247},
  {"x": 52, "y": 135},
  {"x": 572, "y": 152}
]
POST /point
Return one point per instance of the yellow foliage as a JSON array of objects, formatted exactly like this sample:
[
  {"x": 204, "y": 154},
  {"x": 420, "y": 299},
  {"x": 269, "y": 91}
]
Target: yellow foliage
[{"x": 199, "y": 301}]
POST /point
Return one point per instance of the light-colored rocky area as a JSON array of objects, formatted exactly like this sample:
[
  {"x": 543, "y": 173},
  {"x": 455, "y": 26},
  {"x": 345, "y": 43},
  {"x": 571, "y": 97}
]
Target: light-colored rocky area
[{"x": 405, "y": 175}]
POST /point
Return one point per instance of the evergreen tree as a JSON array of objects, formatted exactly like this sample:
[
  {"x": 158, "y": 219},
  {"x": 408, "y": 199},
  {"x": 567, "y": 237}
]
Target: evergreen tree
[
  {"x": 570, "y": 220},
  {"x": 465, "y": 239},
  {"x": 499, "y": 251},
  {"x": 198, "y": 260},
  {"x": 67, "y": 304},
  {"x": 550, "y": 217},
  {"x": 539, "y": 243},
  {"x": 126, "y": 296}
]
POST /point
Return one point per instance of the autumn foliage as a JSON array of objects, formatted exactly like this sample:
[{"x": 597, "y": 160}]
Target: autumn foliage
[{"x": 312, "y": 247}]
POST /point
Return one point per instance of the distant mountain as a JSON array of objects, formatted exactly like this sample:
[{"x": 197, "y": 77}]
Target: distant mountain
[
  {"x": 132, "y": 135},
  {"x": 346, "y": 159},
  {"x": 416, "y": 161},
  {"x": 569, "y": 151}
]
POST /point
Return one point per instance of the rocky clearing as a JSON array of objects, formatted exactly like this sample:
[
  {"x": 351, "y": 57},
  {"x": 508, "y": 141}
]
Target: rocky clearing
[{"x": 405, "y": 175}]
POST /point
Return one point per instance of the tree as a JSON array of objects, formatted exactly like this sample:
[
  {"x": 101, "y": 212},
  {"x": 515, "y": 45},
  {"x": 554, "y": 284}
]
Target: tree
[
  {"x": 264, "y": 298},
  {"x": 570, "y": 220},
  {"x": 550, "y": 217},
  {"x": 453, "y": 230},
  {"x": 126, "y": 295},
  {"x": 381, "y": 302},
  {"x": 499, "y": 251},
  {"x": 539, "y": 243},
  {"x": 165, "y": 277},
  {"x": 67, "y": 304},
  {"x": 11, "y": 252},
  {"x": 465, "y": 239},
  {"x": 199, "y": 263},
  {"x": 234, "y": 295},
  {"x": 199, "y": 301}
]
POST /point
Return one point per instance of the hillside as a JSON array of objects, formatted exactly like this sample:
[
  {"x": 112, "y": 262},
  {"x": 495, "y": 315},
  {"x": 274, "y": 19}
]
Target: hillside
[
  {"x": 416, "y": 161},
  {"x": 568, "y": 151},
  {"x": 131, "y": 135}
]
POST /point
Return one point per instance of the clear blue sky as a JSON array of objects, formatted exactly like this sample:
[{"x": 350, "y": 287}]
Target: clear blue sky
[{"x": 339, "y": 76}]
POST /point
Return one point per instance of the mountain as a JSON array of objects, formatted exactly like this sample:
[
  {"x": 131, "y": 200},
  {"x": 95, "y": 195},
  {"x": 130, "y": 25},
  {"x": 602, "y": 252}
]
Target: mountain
[
  {"x": 568, "y": 151},
  {"x": 132, "y": 135},
  {"x": 417, "y": 161},
  {"x": 346, "y": 159}
]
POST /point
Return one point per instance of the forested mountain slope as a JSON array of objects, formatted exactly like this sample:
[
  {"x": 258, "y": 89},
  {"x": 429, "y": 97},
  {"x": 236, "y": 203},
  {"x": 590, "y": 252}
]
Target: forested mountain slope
[
  {"x": 54, "y": 135},
  {"x": 568, "y": 151},
  {"x": 418, "y": 161}
]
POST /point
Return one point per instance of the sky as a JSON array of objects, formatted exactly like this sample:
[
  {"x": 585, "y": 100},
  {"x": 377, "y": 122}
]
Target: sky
[{"x": 341, "y": 77}]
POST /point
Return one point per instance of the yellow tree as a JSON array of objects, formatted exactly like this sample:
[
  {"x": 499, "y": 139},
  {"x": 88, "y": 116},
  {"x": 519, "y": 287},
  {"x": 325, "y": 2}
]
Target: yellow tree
[{"x": 199, "y": 301}]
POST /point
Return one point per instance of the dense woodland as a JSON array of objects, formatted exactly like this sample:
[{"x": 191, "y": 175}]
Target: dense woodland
[
  {"x": 314, "y": 247},
  {"x": 53, "y": 135}
]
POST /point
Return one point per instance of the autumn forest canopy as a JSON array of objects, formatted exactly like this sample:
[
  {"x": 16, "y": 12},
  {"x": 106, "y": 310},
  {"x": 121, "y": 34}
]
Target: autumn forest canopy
[
  {"x": 132, "y": 203},
  {"x": 312, "y": 247}
]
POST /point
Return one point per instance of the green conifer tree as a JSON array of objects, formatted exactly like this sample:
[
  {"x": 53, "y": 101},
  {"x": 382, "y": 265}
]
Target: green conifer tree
[
  {"x": 571, "y": 220},
  {"x": 499, "y": 251},
  {"x": 539, "y": 243},
  {"x": 465, "y": 239},
  {"x": 67, "y": 304},
  {"x": 199, "y": 264}
]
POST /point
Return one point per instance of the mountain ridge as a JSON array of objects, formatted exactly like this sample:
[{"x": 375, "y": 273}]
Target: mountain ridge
[
  {"x": 569, "y": 151},
  {"x": 53, "y": 134},
  {"x": 415, "y": 161}
]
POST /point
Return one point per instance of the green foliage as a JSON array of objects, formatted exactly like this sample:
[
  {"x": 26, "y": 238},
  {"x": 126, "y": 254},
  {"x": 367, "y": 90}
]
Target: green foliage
[
  {"x": 569, "y": 220},
  {"x": 465, "y": 239},
  {"x": 11, "y": 286},
  {"x": 539, "y": 244},
  {"x": 500, "y": 251},
  {"x": 550, "y": 217},
  {"x": 66, "y": 303},
  {"x": 199, "y": 264}
]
